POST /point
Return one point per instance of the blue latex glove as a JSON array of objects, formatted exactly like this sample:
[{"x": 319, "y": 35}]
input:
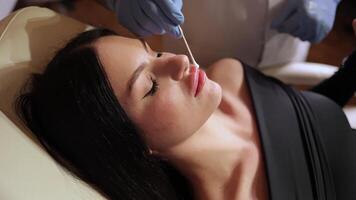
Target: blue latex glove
[
  {"x": 149, "y": 17},
  {"x": 309, "y": 20}
]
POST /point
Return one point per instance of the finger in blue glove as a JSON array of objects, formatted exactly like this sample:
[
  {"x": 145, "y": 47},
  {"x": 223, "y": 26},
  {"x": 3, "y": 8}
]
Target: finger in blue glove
[{"x": 150, "y": 17}]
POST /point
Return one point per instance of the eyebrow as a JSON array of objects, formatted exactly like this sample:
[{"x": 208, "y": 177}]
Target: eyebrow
[
  {"x": 134, "y": 77},
  {"x": 138, "y": 70}
]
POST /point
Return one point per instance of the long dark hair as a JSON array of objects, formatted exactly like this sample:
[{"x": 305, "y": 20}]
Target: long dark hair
[{"x": 72, "y": 110}]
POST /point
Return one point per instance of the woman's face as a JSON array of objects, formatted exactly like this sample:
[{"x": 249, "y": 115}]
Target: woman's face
[{"x": 156, "y": 90}]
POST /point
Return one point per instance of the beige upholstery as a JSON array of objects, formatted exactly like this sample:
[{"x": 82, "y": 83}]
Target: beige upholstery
[{"x": 28, "y": 39}]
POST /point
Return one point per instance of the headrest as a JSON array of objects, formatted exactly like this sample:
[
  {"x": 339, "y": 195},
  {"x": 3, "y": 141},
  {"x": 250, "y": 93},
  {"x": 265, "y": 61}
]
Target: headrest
[{"x": 28, "y": 40}]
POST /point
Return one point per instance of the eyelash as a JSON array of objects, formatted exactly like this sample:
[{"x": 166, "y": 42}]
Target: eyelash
[
  {"x": 153, "y": 89},
  {"x": 154, "y": 82}
]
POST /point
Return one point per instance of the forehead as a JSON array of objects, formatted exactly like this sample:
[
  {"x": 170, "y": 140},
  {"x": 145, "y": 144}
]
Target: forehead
[
  {"x": 120, "y": 57},
  {"x": 117, "y": 48}
]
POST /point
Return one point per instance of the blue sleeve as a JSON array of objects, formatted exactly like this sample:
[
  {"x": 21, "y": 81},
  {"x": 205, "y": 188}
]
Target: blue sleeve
[{"x": 309, "y": 20}]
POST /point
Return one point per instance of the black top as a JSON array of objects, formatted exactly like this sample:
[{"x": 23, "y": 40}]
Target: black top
[{"x": 308, "y": 145}]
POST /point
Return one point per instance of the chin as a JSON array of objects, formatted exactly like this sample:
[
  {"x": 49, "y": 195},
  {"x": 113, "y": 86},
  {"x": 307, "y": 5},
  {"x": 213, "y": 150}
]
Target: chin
[{"x": 214, "y": 92}]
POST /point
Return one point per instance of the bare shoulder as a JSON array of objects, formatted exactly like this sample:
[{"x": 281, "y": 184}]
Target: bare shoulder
[{"x": 228, "y": 73}]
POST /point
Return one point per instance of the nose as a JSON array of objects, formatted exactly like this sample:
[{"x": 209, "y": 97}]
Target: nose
[{"x": 176, "y": 66}]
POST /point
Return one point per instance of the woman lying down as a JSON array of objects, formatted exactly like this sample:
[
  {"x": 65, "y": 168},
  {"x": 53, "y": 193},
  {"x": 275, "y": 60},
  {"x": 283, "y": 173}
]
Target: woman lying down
[{"x": 139, "y": 124}]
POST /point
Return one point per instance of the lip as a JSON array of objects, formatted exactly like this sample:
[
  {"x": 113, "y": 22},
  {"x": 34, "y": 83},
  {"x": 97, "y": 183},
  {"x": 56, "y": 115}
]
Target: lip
[{"x": 198, "y": 80}]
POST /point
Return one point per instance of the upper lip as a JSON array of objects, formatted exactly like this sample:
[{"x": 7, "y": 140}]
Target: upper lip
[{"x": 194, "y": 79}]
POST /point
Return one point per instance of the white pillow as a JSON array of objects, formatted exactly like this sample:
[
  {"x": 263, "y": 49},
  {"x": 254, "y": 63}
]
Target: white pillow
[{"x": 28, "y": 40}]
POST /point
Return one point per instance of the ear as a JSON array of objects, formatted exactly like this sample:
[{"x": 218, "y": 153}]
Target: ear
[{"x": 354, "y": 25}]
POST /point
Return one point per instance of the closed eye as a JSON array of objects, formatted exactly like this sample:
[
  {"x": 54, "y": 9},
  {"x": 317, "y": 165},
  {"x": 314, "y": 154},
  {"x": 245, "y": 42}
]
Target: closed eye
[{"x": 153, "y": 89}]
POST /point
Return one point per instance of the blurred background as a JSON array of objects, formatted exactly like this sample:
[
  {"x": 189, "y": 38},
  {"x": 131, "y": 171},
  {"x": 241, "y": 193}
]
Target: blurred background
[{"x": 339, "y": 43}]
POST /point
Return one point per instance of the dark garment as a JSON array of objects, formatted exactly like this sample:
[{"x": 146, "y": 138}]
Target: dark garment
[
  {"x": 342, "y": 85},
  {"x": 308, "y": 146}
]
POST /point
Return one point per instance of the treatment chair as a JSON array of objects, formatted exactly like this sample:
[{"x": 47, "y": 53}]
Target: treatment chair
[{"x": 28, "y": 39}]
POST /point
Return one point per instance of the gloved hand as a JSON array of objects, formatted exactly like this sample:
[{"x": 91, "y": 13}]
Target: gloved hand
[
  {"x": 309, "y": 20},
  {"x": 149, "y": 17}
]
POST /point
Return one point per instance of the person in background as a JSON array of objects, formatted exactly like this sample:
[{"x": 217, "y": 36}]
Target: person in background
[
  {"x": 237, "y": 24},
  {"x": 309, "y": 20},
  {"x": 241, "y": 29}
]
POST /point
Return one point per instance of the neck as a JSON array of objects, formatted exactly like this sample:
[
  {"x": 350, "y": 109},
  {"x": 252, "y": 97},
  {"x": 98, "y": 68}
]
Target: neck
[{"x": 218, "y": 162}]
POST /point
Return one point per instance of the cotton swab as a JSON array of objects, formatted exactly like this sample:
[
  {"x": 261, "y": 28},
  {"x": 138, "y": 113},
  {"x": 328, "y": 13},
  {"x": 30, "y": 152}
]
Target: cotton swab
[{"x": 190, "y": 52}]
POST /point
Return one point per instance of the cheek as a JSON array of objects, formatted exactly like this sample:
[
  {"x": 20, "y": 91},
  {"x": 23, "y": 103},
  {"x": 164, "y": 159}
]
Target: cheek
[
  {"x": 164, "y": 124},
  {"x": 164, "y": 112}
]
